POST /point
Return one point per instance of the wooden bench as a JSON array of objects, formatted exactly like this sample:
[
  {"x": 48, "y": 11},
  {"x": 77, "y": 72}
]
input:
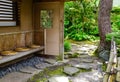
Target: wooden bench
[{"x": 8, "y": 59}]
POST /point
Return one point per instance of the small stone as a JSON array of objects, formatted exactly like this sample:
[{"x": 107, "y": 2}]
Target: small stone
[
  {"x": 86, "y": 60},
  {"x": 50, "y": 61},
  {"x": 58, "y": 79},
  {"x": 70, "y": 70},
  {"x": 42, "y": 65},
  {"x": 104, "y": 55},
  {"x": 83, "y": 49},
  {"x": 85, "y": 56},
  {"x": 82, "y": 53},
  {"x": 93, "y": 47}
]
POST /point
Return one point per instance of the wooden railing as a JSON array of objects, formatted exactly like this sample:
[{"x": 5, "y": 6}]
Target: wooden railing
[{"x": 110, "y": 74}]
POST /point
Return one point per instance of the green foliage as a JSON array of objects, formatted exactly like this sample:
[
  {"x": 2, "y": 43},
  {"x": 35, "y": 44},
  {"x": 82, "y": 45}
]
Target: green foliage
[
  {"x": 47, "y": 73},
  {"x": 115, "y": 19},
  {"x": 116, "y": 36},
  {"x": 81, "y": 20},
  {"x": 67, "y": 46},
  {"x": 104, "y": 66}
]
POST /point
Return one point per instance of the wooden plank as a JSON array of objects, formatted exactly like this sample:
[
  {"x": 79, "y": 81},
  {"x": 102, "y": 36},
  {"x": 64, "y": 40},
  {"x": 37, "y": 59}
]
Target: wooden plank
[
  {"x": 118, "y": 73},
  {"x": 19, "y": 55}
]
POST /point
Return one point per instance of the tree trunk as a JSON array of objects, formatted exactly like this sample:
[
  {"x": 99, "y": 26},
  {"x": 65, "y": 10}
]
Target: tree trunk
[{"x": 104, "y": 23}]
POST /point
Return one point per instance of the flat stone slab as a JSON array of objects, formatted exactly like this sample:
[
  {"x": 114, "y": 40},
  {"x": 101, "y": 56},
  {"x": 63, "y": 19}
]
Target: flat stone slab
[
  {"x": 70, "y": 70},
  {"x": 82, "y": 53},
  {"x": 80, "y": 60},
  {"x": 86, "y": 66},
  {"x": 50, "y": 61},
  {"x": 87, "y": 77},
  {"x": 42, "y": 65},
  {"x": 58, "y": 79},
  {"x": 84, "y": 49},
  {"x": 29, "y": 70},
  {"x": 85, "y": 56},
  {"x": 86, "y": 60},
  {"x": 16, "y": 77}
]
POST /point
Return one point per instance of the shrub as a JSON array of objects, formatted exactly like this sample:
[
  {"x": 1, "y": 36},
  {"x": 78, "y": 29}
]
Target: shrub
[{"x": 67, "y": 46}]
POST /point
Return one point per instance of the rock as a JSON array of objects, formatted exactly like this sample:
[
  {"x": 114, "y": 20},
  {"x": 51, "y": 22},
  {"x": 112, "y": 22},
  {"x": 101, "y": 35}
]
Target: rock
[
  {"x": 86, "y": 66},
  {"x": 87, "y": 77},
  {"x": 86, "y": 60},
  {"x": 93, "y": 47},
  {"x": 85, "y": 56},
  {"x": 29, "y": 70},
  {"x": 58, "y": 79},
  {"x": 70, "y": 70},
  {"x": 74, "y": 47},
  {"x": 82, "y": 53},
  {"x": 86, "y": 45},
  {"x": 42, "y": 65},
  {"x": 84, "y": 49},
  {"x": 50, "y": 61},
  {"x": 104, "y": 55}
]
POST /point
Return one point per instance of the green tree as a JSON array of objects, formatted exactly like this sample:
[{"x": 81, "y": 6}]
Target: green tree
[{"x": 80, "y": 19}]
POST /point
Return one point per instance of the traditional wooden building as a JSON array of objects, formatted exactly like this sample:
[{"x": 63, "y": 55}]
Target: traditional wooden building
[{"x": 27, "y": 22}]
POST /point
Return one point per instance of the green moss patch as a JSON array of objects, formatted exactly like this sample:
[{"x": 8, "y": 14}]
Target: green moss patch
[{"x": 47, "y": 73}]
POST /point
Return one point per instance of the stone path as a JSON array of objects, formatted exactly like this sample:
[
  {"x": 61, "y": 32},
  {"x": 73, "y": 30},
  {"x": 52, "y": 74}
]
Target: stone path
[{"x": 84, "y": 61}]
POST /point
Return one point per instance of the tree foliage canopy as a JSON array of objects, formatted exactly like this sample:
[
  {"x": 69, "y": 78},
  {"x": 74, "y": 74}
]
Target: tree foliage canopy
[{"x": 80, "y": 20}]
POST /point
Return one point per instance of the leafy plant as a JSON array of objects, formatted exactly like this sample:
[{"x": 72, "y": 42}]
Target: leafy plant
[
  {"x": 67, "y": 46},
  {"x": 116, "y": 36},
  {"x": 81, "y": 20}
]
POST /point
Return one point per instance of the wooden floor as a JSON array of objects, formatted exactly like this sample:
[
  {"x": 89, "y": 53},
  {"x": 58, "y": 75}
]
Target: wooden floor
[{"x": 6, "y": 59}]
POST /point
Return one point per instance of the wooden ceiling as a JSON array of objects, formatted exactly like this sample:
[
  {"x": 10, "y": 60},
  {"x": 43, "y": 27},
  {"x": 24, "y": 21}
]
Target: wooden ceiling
[
  {"x": 49, "y": 0},
  {"x": 46, "y": 0}
]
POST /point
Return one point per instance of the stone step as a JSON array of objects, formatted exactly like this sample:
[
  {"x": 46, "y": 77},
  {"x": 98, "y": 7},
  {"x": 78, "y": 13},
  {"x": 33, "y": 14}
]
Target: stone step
[
  {"x": 16, "y": 77},
  {"x": 29, "y": 70},
  {"x": 70, "y": 70}
]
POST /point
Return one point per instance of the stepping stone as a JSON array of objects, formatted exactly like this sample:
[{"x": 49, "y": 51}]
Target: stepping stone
[
  {"x": 82, "y": 53},
  {"x": 70, "y": 70},
  {"x": 58, "y": 79},
  {"x": 86, "y": 60},
  {"x": 87, "y": 77},
  {"x": 85, "y": 56},
  {"x": 50, "y": 61},
  {"x": 16, "y": 77},
  {"x": 42, "y": 65},
  {"x": 83, "y": 49},
  {"x": 86, "y": 66},
  {"x": 29, "y": 70}
]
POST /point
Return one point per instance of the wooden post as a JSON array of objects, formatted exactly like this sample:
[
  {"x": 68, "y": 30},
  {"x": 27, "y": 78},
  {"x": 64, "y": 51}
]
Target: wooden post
[{"x": 118, "y": 73}]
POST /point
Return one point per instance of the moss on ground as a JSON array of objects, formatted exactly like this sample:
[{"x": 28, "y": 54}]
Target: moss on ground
[{"x": 47, "y": 73}]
